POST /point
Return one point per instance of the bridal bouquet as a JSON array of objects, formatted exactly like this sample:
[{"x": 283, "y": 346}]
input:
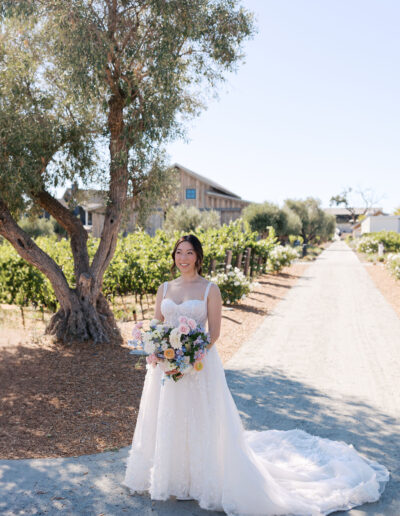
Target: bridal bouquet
[{"x": 178, "y": 350}]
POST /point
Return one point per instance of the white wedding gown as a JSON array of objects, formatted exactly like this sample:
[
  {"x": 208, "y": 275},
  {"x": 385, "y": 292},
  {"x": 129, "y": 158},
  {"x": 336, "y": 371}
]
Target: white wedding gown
[{"x": 189, "y": 441}]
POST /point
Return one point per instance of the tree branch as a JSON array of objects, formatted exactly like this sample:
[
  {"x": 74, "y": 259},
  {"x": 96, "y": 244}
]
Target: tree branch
[
  {"x": 32, "y": 253},
  {"x": 74, "y": 228}
]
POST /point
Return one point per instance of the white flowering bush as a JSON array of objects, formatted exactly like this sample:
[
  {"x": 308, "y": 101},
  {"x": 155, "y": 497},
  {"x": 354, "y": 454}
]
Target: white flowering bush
[
  {"x": 393, "y": 264},
  {"x": 282, "y": 255},
  {"x": 368, "y": 244},
  {"x": 233, "y": 284}
]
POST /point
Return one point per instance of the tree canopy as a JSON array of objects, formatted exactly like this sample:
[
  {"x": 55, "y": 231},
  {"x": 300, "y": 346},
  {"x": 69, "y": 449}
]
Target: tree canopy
[
  {"x": 261, "y": 216},
  {"x": 315, "y": 223},
  {"x": 81, "y": 76}
]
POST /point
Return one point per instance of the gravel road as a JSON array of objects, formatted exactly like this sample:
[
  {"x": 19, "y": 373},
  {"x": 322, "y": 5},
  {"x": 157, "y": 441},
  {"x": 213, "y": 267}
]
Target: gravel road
[{"x": 326, "y": 360}]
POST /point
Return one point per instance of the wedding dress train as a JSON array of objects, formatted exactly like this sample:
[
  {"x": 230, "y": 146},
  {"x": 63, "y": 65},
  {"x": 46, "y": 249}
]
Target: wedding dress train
[{"x": 189, "y": 441}]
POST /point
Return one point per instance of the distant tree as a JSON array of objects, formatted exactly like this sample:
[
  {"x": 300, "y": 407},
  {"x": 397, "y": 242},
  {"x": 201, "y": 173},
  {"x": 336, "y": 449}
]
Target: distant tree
[
  {"x": 158, "y": 190},
  {"x": 397, "y": 211},
  {"x": 35, "y": 226},
  {"x": 260, "y": 216},
  {"x": 367, "y": 196},
  {"x": 293, "y": 222},
  {"x": 210, "y": 219},
  {"x": 189, "y": 218},
  {"x": 316, "y": 225},
  {"x": 77, "y": 76}
]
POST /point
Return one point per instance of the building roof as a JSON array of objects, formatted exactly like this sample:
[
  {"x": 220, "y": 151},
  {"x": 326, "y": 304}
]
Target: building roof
[
  {"x": 224, "y": 196},
  {"x": 204, "y": 179},
  {"x": 344, "y": 211}
]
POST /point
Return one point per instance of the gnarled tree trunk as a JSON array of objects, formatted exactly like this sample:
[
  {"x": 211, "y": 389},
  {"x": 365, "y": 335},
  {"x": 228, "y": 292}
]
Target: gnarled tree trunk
[{"x": 84, "y": 313}]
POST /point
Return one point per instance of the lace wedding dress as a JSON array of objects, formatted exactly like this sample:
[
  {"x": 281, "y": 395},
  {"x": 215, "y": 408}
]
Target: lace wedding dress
[{"x": 189, "y": 441}]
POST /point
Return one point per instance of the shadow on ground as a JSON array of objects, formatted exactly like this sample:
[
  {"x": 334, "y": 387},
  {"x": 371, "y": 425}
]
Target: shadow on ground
[
  {"x": 270, "y": 400},
  {"x": 91, "y": 484}
]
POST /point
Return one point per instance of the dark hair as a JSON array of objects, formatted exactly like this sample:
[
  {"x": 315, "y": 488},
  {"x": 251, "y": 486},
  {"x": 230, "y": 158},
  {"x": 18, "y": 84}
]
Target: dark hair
[{"x": 197, "y": 248}]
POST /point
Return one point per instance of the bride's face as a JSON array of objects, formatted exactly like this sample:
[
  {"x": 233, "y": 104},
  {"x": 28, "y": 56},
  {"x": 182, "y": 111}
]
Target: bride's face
[{"x": 185, "y": 257}]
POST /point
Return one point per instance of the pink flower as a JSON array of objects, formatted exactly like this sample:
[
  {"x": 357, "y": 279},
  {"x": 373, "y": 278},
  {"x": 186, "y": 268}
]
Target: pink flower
[
  {"x": 152, "y": 359},
  {"x": 136, "y": 334},
  {"x": 191, "y": 323},
  {"x": 183, "y": 319},
  {"x": 139, "y": 324},
  {"x": 184, "y": 328}
]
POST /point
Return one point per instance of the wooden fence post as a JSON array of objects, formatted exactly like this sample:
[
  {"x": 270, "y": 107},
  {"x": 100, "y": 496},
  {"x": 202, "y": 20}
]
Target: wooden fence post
[
  {"x": 247, "y": 261},
  {"x": 213, "y": 265},
  {"x": 253, "y": 267},
  {"x": 239, "y": 260},
  {"x": 228, "y": 259},
  {"x": 259, "y": 264}
]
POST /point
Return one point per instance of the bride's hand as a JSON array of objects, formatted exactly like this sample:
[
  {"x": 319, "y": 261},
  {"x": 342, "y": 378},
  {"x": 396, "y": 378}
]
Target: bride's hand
[{"x": 174, "y": 371}]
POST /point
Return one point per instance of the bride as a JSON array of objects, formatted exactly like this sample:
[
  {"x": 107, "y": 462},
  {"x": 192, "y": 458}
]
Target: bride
[{"x": 189, "y": 441}]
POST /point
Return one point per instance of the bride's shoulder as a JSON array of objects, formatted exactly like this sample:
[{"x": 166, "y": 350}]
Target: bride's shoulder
[
  {"x": 213, "y": 289},
  {"x": 162, "y": 286}
]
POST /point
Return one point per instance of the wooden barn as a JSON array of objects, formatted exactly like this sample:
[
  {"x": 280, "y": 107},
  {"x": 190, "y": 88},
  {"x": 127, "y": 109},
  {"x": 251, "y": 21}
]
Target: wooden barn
[
  {"x": 195, "y": 190},
  {"x": 205, "y": 194}
]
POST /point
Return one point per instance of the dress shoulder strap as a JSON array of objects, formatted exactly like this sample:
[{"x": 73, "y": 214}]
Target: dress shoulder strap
[
  {"x": 165, "y": 288},
  {"x": 207, "y": 289}
]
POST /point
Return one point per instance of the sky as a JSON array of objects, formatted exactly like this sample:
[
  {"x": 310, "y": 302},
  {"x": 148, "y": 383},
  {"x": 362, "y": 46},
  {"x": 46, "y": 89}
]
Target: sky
[{"x": 313, "y": 110}]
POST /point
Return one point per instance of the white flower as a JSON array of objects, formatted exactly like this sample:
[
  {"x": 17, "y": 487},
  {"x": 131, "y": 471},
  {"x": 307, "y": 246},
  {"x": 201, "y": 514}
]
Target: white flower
[
  {"x": 156, "y": 334},
  {"x": 149, "y": 347},
  {"x": 166, "y": 365},
  {"x": 169, "y": 365},
  {"x": 153, "y": 323},
  {"x": 164, "y": 346},
  {"x": 175, "y": 338},
  {"x": 147, "y": 337}
]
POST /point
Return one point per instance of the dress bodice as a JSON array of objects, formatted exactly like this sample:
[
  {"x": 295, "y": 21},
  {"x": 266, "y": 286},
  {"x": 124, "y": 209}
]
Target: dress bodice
[{"x": 194, "y": 308}]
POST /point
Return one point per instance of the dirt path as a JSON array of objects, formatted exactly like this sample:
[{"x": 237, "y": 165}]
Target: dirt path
[{"x": 327, "y": 360}]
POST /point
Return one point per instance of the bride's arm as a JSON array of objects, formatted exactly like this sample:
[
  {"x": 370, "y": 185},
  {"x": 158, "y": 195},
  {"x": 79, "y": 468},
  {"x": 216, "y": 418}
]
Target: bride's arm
[
  {"x": 157, "y": 314},
  {"x": 214, "y": 311}
]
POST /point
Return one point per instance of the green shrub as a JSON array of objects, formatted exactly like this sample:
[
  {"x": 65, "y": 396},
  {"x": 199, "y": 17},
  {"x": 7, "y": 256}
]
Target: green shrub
[
  {"x": 233, "y": 284},
  {"x": 368, "y": 243},
  {"x": 140, "y": 263},
  {"x": 280, "y": 256},
  {"x": 393, "y": 264}
]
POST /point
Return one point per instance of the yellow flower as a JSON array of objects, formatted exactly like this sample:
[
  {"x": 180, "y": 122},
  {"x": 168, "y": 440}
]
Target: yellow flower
[
  {"x": 198, "y": 366},
  {"x": 169, "y": 353}
]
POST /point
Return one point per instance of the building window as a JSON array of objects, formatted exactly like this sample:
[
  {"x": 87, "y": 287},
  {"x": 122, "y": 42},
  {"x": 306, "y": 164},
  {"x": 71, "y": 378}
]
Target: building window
[
  {"x": 190, "y": 193},
  {"x": 89, "y": 218}
]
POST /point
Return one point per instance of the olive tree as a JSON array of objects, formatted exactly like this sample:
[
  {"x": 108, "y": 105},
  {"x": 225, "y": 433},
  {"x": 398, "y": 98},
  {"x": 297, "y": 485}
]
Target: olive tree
[
  {"x": 78, "y": 76},
  {"x": 315, "y": 223}
]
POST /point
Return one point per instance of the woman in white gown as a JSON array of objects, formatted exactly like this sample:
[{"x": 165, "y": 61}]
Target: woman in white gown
[{"x": 189, "y": 440}]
